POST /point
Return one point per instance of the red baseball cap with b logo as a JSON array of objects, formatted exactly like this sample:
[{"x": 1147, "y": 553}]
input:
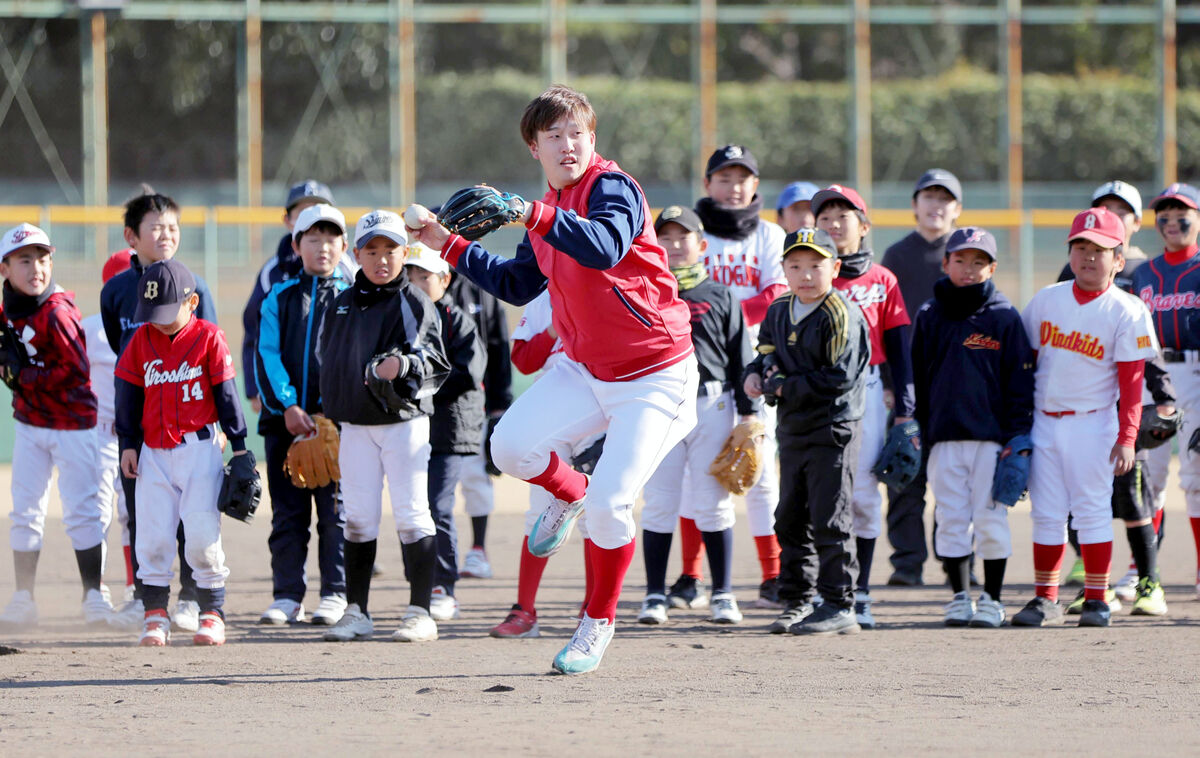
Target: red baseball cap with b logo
[{"x": 1098, "y": 225}]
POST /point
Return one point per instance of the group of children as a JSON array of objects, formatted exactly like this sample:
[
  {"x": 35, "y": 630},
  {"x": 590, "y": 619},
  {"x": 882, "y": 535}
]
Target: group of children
[{"x": 797, "y": 326}]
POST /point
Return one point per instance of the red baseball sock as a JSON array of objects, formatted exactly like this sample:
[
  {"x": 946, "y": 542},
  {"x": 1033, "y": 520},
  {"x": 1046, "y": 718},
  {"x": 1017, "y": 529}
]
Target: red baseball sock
[
  {"x": 589, "y": 574},
  {"x": 1047, "y": 563},
  {"x": 691, "y": 547},
  {"x": 1097, "y": 562},
  {"x": 768, "y": 555},
  {"x": 561, "y": 481},
  {"x": 128, "y": 565},
  {"x": 1196, "y": 536},
  {"x": 529, "y": 577},
  {"x": 1157, "y": 521},
  {"x": 609, "y": 567}
]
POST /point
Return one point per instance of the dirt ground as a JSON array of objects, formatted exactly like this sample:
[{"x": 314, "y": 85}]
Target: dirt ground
[{"x": 688, "y": 688}]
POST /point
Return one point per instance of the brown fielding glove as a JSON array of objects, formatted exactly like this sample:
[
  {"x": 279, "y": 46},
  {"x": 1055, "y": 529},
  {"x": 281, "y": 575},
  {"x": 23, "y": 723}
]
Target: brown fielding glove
[
  {"x": 312, "y": 460},
  {"x": 739, "y": 464}
]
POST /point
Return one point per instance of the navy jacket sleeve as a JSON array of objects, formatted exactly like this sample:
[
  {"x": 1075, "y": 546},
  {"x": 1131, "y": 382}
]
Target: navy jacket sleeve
[
  {"x": 920, "y": 369},
  {"x": 229, "y": 413},
  {"x": 129, "y": 404},
  {"x": 614, "y": 217},
  {"x": 1018, "y": 380},
  {"x": 515, "y": 280},
  {"x": 250, "y": 319},
  {"x": 110, "y": 318},
  {"x": 896, "y": 344},
  {"x": 208, "y": 307},
  {"x": 464, "y": 350}
]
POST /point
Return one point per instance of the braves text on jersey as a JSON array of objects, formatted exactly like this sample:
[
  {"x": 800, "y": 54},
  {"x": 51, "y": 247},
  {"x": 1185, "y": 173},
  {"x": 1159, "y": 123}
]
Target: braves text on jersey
[{"x": 1172, "y": 293}]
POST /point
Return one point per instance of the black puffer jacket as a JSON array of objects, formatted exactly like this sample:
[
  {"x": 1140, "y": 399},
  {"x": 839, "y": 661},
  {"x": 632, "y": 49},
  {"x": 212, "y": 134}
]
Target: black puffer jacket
[{"x": 458, "y": 415}]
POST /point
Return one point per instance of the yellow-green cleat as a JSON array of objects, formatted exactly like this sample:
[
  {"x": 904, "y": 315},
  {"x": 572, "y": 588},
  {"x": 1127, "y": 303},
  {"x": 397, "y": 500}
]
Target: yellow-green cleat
[
  {"x": 1076, "y": 576},
  {"x": 1151, "y": 600}
]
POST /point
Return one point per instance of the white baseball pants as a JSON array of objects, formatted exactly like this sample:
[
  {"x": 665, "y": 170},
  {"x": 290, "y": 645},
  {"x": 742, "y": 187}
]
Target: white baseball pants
[
  {"x": 36, "y": 452},
  {"x": 763, "y": 497},
  {"x": 1186, "y": 378},
  {"x": 1070, "y": 475},
  {"x": 643, "y": 419},
  {"x": 181, "y": 484},
  {"x": 709, "y": 504},
  {"x": 867, "y": 503},
  {"x": 108, "y": 474},
  {"x": 476, "y": 486},
  {"x": 961, "y": 474},
  {"x": 400, "y": 453}
]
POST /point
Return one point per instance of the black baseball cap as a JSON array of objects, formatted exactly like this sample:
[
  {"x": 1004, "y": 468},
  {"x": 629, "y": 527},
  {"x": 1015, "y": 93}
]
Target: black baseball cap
[
  {"x": 677, "y": 214},
  {"x": 163, "y": 286},
  {"x": 939, "y": 177},
  {"x": 811, "y": 238},
  {"x": 731, "y": 155},
  {"x": 309, "y": 188},
  {"x": 972, "y": 238}
]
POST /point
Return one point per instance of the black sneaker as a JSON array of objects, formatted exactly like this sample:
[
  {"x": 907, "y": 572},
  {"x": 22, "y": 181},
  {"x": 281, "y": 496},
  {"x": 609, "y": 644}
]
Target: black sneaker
[
  {"x": 685, "y": 594},
  {"x": 768, "y": 594},
  {"x": 902, "y": 578},
  {"x": 1095, "y": 613},
  {"x": 828, "y": 620},
  {"x": 1039, "y": 612},
  {"x": 792, "y": 614}
]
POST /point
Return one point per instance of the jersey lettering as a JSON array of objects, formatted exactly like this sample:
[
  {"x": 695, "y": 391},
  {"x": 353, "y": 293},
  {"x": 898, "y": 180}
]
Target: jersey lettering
[
  {"x": 1084, "y": 344},
  {"x": 868, "y": 295},
  {"x": 184, "y": 373},
  {"x": 739, "y": 275},
  {"x": 1174, "y": 301},
  {"x": 979, "y": 341}
]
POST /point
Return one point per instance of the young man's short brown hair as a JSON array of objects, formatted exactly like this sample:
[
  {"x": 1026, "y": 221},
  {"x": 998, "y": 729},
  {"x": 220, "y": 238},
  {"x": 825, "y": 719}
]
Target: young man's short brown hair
[{"x": 553, "y": 104}]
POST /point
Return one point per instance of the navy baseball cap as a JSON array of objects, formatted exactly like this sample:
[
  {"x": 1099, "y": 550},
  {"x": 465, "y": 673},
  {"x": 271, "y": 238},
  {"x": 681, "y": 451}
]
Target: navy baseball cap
[
  {"x": 972, "y": 238},
  {"x": 163, "y": 286},
  {"x": 731, "y": 155},
  {"x": 677, "y": 214},
  {"x": 1123, "y": 191},
  {"x": 813, "y": 239},
  {"x": 1184, "y": 193},
  {"x": 939, "y": 177},
  {"x": 307, "y": 189},
  {"x": 796, "y": 192}
]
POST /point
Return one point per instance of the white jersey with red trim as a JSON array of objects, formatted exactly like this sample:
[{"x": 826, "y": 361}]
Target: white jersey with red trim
[
  {"x": 747, "y": 266},
  {"x": 535, "y": 319},
  {"x": 1079, "y": 345}
]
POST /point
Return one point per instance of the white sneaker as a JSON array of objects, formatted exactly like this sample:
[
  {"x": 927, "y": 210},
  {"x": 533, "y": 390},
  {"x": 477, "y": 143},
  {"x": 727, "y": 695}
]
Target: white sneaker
[
  {"x": 989, "y": 614},
  {"x": 186, "y": 617},
  {"x": 960, "y": 610},
  {"x": 156, "y": 630},
  {"x": 654, "y": 610},
  {"x": 97, "y": 608},
  {"x": 212, "y": 630},
  {"x": 583, "y": 653},
  {"x": 476, "y": 565},
  {"x": 442, "y": 605},
  {"x": 1126, "y": 586},
  {"x": 127, "y": 596},
  {"x": 21, "y": 611},
  {"x": 129, "y": 617},
  {"x": 862, "y": 609},
  {"x": 724, "y": 609},
  {"x": 329, "y": 611},
  {"x": 282, "y": 611},
  {"x": 353, "y": 625},
  {"x": 416, "y": 626}
]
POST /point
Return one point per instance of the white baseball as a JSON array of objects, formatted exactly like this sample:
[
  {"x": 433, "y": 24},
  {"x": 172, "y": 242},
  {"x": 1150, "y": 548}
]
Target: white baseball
[{"x": 413, "y": 215}]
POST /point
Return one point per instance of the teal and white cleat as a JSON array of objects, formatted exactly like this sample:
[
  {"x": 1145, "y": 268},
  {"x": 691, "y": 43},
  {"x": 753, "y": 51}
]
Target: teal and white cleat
[
  {"x": 553, "y": 527},
  {"x": 583, "y": 653}
]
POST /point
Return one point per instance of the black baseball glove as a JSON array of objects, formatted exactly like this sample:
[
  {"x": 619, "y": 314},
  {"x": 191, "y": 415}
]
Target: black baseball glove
[
  {"x": 13, "y": 357},
  {"x": 385, "y": 391},
  {"x": 585, "y": 461},
  {"x": 492, "y": 468},
  {"x": 900, "y": 461},
  {"x": 1155, "y": 429},
  {"x": 1194, "y": 442},
  {"x": 241, "y": 490},
  {"x": 475, "y": 211}
]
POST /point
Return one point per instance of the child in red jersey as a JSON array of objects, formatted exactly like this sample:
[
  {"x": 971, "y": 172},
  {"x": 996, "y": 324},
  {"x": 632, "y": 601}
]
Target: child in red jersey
[
  {"x": 175, "y": 380},
  {"x": 55, "y": 414}
]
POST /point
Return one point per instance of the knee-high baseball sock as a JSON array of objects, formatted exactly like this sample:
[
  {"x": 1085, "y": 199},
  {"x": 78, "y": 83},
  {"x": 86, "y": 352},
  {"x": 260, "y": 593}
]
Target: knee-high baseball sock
[
  {"x": 155, "y": 598},
  {"x": 128, "y": 551},
  {"x": 1159, "y": 523},
  {"x": 656, "y": 553},
  {"x": 610, "y": 567},
  {"x": 90, "y": 569},
  {"x": 211, "y": 600},
  {"x": 1144, "y": 546},
  {"x": 25, "y": 568},
  {"x": 359, "y": 560},
  {"x": 1196, "y": 536},
  {"x": 720, "y": 558},
  {"x": 561, "y": 481},
  {"x": 958, "y": 571},
  {"x": 1097, "y": 563},
  {"x": 478, "y": 531},
  {"x": 1073, "y": 539},
  {"x": 866, "y": 555},
  {"x": 1047, "y": 567},
  {"x": 529, "y": 577},
  {"x": 419, "y": 559},
  {"x": 589, "y": 573},
  {"x": 993, "y": 576},
  {"x": 767, "y": 546},
  {"x": 691, "y": 547}
]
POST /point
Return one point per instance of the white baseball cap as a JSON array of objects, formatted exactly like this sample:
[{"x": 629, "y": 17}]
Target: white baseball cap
[
  {"x": 380, "y": 223},
  {"x": 315, "y": 214},
  {"x": 1122, "y": 191},
  {"x": 427, "y": 258},
  {"x": 23, "y": 235}
]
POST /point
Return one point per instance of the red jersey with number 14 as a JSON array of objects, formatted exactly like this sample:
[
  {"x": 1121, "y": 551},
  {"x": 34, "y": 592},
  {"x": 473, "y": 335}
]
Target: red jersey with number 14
[{"x": 177, "y": 376}]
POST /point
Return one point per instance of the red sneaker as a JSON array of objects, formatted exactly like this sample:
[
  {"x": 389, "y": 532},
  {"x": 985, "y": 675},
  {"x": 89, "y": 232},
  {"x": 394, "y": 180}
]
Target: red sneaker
[
  {"x": 156, "y": 628},
  {"x": 519, "y": 624},
  {"x": 212, "y": 629}
]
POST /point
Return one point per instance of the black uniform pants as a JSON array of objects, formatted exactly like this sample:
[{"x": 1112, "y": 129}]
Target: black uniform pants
[
  {"x": 813, "y": 519},
  {"x": 906, "y": 524}
]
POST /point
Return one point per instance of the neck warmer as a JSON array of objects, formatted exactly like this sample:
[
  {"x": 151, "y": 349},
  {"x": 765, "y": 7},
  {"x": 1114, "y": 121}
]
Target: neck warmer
[
  {"x": 961, "y": 302},
  {"x": 689, "y": 276},
  {"x": 366, "y": 293},
  {"x": 729, "y": 223},
  {"x": 855, "y": 265},
  {"x": 19, "y": 305}
]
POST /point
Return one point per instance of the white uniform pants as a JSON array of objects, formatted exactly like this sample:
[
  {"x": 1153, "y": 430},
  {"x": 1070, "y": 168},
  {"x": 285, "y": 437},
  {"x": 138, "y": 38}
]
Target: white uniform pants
[
  {"x": 108, "y": 473},
  {"x": 643, "y": 419},
  {"x": 763, "y": 497},
  {"x": 36, "y": 452},
  {"x": 181, "y": 484},
  {"x": 1186, "y": 378},
  {"x": 399, "y": 452},
  {"x": 961, "y": 474},
  {"x": 709, "y": 504},
  {"x": 867, "y": 502},
  {"x": 1070, "y": 474},
  {"x": 476, "y": 486}
]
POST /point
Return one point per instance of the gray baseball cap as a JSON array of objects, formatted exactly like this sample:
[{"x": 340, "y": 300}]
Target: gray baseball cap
[{"x": 939, "y": 177}]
